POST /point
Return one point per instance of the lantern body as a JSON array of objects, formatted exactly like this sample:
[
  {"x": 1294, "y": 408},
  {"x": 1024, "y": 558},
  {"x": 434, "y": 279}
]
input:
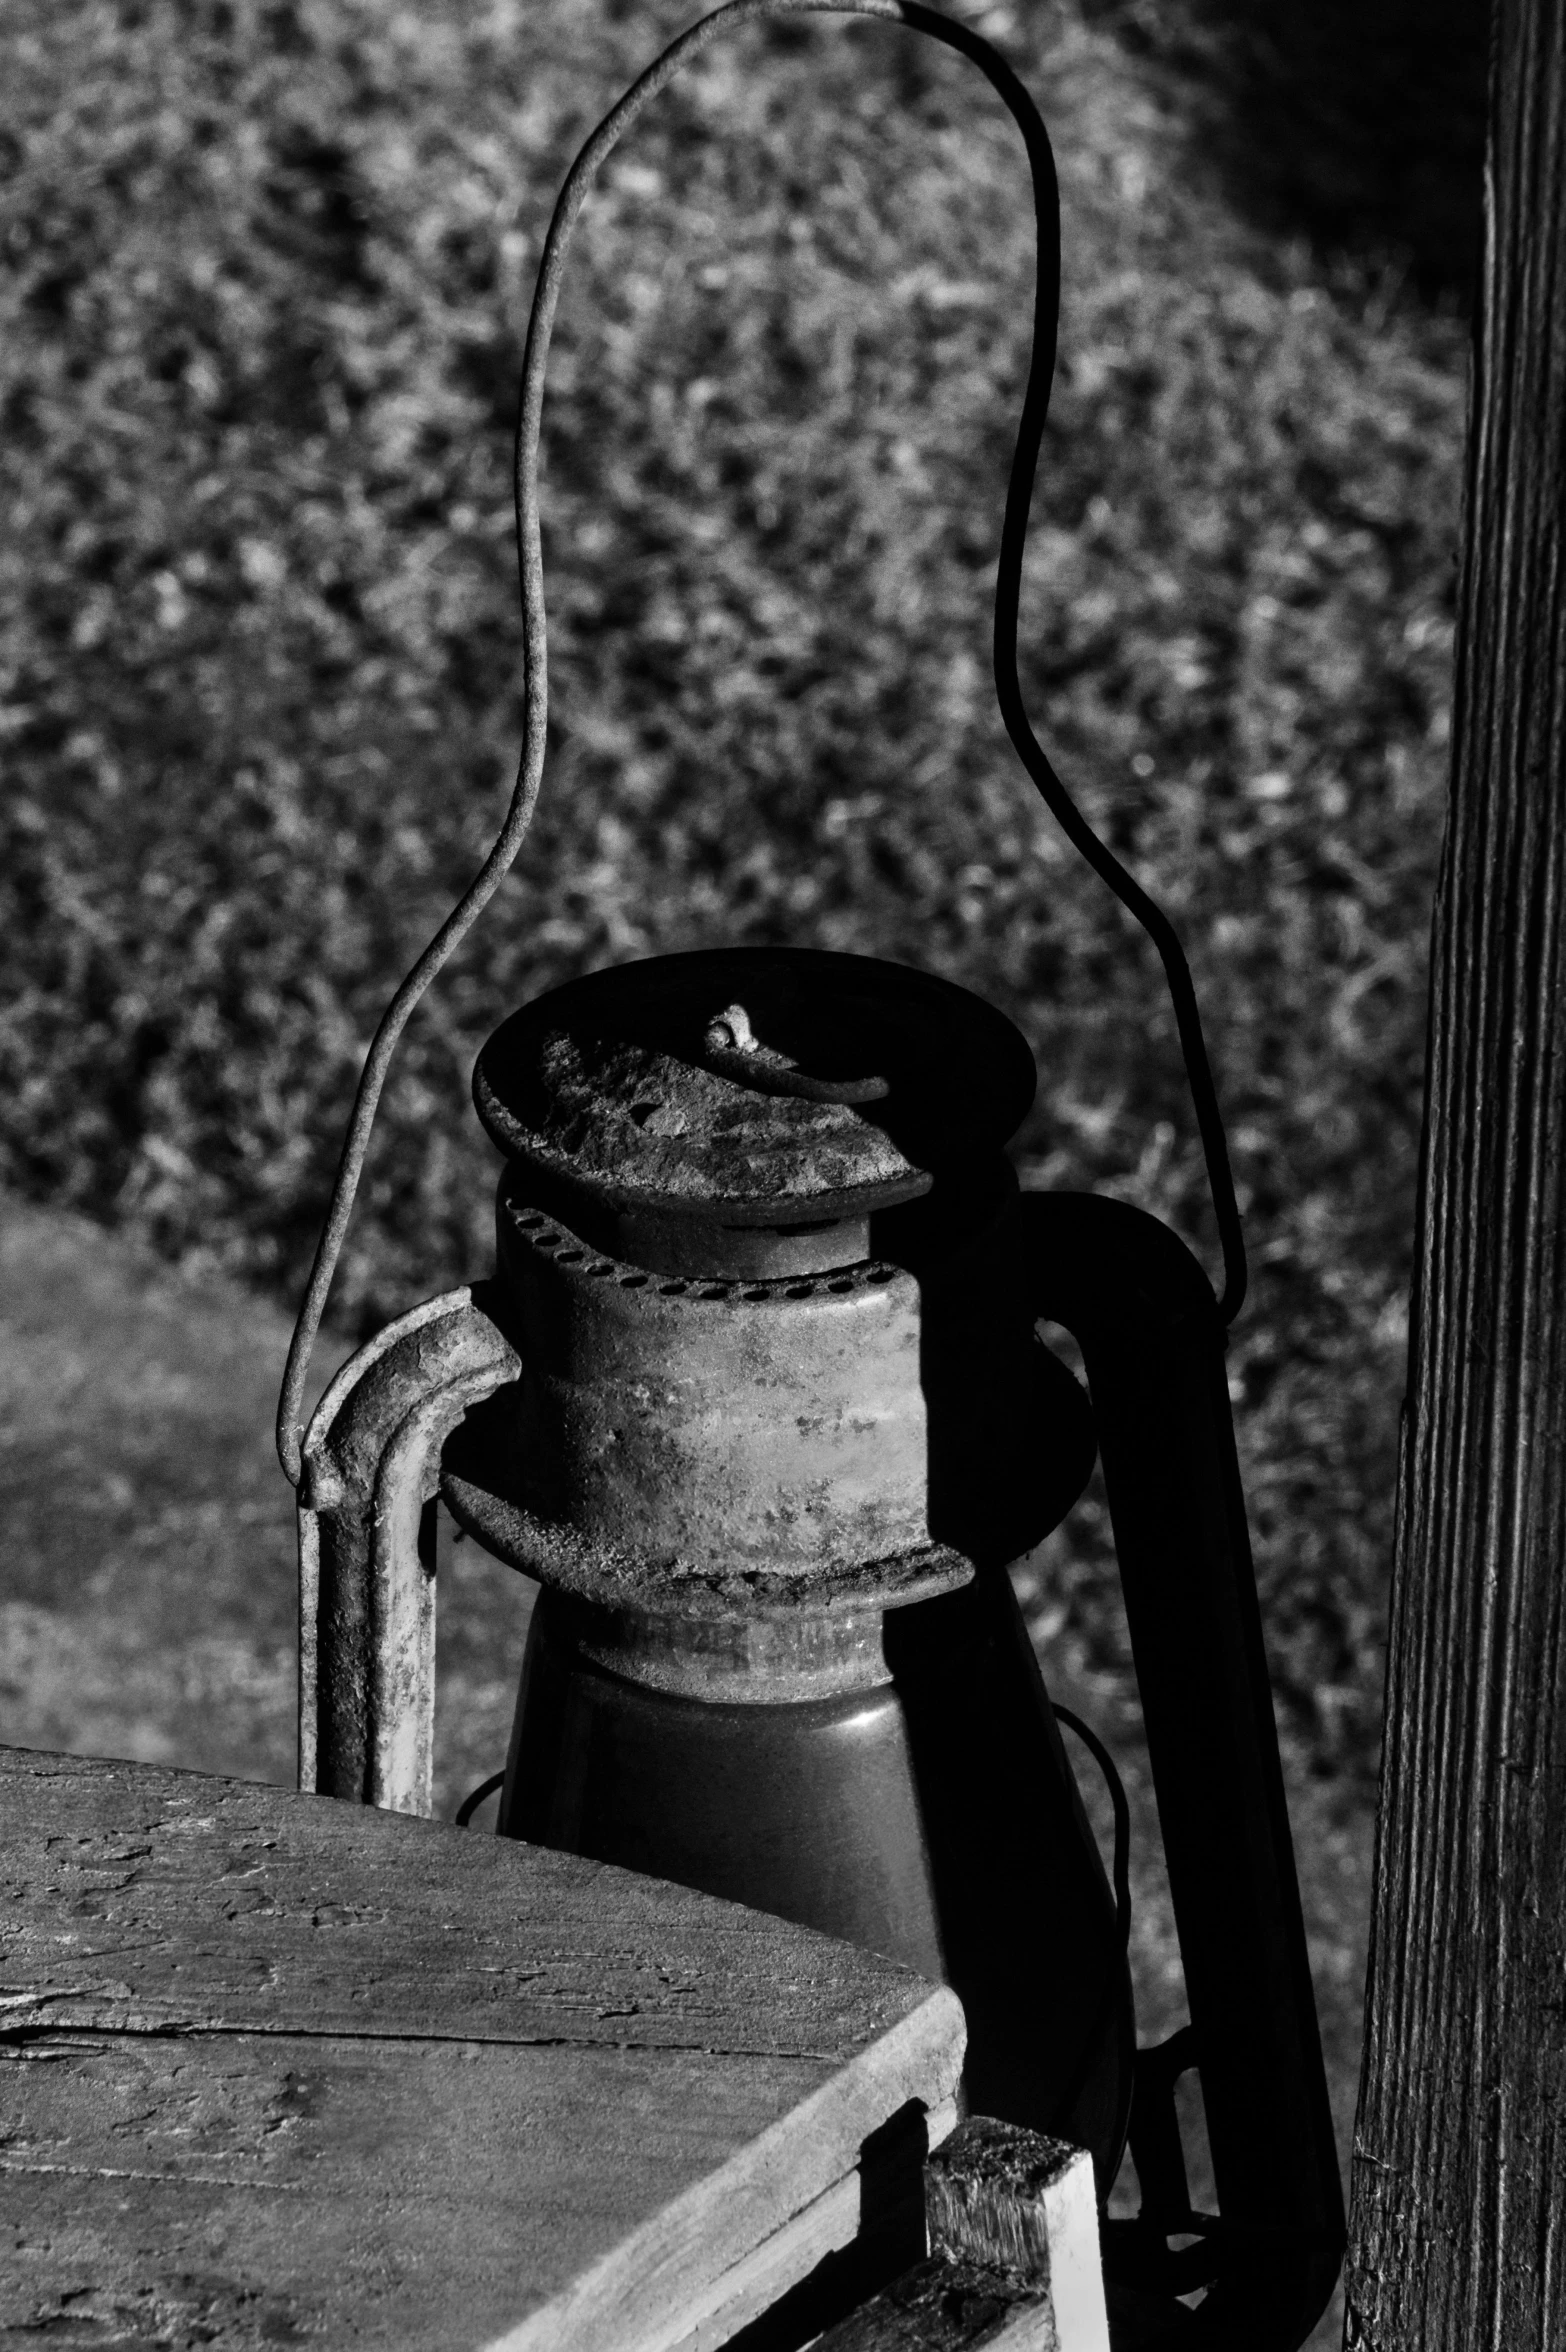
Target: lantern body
[
  {"x": 759, "y": 1396},
  {"x": 783, "y": 1421},
  {"x": 762, "y": 1665}
]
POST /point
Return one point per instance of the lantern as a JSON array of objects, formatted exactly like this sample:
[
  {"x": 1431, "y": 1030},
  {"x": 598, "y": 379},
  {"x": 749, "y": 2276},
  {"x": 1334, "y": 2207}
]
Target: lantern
[{"x": 757, "y": 1393}]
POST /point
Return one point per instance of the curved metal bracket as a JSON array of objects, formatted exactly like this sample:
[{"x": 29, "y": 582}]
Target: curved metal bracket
[{"x": 366, "y": 1585}]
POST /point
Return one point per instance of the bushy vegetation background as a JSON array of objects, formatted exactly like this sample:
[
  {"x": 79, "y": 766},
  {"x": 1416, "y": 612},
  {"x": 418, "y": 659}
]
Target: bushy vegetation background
[{"x": 266, "y": 274}]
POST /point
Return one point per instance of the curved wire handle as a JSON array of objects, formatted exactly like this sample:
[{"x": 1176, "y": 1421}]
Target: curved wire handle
[{"x": 535, "y": 658}]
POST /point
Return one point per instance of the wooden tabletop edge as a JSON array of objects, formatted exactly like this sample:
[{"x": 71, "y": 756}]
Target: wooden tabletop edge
[{"x": 691, "y": 2243}]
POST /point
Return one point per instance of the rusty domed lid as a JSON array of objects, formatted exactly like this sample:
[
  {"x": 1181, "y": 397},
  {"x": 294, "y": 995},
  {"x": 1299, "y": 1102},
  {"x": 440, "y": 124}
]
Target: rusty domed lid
[{"x": 751, "y": 1087}]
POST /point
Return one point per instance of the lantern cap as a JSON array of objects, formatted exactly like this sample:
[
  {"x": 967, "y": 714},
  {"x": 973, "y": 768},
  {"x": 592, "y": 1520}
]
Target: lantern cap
[{"x": 779, "y": 1087}]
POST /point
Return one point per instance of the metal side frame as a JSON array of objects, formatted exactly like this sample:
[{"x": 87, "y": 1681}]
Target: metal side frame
[{"x": 366, "y": 1573}]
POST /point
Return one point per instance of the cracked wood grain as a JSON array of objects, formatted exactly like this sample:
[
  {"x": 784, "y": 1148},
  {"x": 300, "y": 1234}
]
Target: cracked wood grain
[
  {"x": 334, "y": 2180},
  {"x": 134, "y": 1897}
]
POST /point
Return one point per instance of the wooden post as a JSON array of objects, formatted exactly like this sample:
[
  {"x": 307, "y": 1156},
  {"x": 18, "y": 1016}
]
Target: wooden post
[
  {"x": 1458, "y": 2239},
  {"x": 1013, "y": 2264}
]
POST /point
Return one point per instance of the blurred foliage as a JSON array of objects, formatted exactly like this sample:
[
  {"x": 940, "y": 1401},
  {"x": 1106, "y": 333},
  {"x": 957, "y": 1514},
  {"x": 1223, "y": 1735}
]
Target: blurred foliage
[{"x": 266, "y": 273}]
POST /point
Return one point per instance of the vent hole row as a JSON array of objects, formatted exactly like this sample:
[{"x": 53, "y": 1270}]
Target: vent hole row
[{"x": 547, "y": 1240}]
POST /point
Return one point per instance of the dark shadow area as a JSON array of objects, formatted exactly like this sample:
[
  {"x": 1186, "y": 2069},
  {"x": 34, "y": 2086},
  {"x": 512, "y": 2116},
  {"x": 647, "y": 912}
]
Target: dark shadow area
[
  {"x": 1358, "y": 124},
  {"x": 890, "y": 2241}
]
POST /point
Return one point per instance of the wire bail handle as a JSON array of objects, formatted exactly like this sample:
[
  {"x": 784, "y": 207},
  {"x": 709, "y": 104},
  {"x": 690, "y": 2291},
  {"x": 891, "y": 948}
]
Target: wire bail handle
[{"x": 535, "y": 658}]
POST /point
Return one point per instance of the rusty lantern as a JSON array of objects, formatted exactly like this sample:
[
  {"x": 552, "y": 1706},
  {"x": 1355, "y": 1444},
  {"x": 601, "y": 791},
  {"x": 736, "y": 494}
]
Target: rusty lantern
[{"x": 757, "y": 1393}]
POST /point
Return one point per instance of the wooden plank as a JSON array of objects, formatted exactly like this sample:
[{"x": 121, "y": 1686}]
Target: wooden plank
[
  {"x": 390, "y": 2191},
  {"x": 1459, "y": 2218},
  {"x": 1013, "y": 2263},
  {"x": 242, "y": 2080},
  {"x": 1023, "y": 2203},
  {"x": 683, "y": 2262},
  {"x": 871, "y": 2226},
  {"x": 944, "y": 2305},
  {"x": 135, "y": 1897},
  {"x": 405, "y": 2192}
]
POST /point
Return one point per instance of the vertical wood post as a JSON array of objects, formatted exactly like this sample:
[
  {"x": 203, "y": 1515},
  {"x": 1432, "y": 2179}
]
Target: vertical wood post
[{"x": 1458, "y": 2235}]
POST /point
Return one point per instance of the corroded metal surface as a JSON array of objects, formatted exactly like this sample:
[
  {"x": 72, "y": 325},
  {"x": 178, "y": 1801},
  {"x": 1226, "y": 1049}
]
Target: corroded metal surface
[
  {"x": 784, "y": 1429},
  {"x": 366, "y": 1592},
  {"x": 704, "y": 1633},
  {"x": 745, "y": 1087},
  {"x": 628, "y": 1114},
  {"x": 778, "y": 1426}
]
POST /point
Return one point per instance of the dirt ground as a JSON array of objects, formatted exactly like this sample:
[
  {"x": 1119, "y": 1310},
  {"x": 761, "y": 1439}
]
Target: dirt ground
[
  {"x": 147, "y": 1565},
  {"x": 147, "y": 1588}
]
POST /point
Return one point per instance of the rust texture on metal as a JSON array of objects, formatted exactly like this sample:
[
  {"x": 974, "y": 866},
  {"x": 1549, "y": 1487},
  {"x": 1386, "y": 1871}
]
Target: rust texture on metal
[
  {"x": 708, "y": 1635},
  {"x": 749, "y": 1087},
  {"x": 626, "y": 1113},
  {"x": 779, "y": 1426},
  {"x": 366, "y": 1592},
  {"x": 669, "y": 1430}
]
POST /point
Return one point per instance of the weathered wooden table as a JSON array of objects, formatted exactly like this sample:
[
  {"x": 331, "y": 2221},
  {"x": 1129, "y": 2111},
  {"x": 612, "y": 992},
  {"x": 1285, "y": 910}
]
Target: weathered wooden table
[{"x": 286, "y": 2068}]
